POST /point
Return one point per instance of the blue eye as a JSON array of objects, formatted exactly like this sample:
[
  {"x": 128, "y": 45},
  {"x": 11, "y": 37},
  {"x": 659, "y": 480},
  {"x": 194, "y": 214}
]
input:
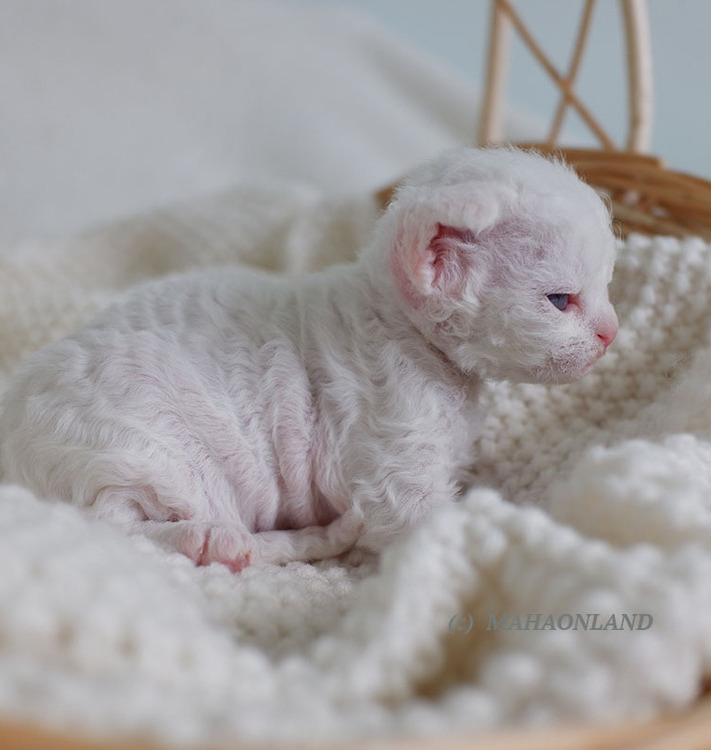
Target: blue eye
[{"x": 559, "y": 300}]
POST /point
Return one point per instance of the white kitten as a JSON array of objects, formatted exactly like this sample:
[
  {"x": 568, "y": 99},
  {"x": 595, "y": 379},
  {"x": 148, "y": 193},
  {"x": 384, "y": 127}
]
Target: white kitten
[{"x": 235, "y": 417}]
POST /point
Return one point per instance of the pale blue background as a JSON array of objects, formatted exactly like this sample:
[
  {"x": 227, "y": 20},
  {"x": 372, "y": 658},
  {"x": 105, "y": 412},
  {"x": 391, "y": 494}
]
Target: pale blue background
[{"x": 455, "y": 32}]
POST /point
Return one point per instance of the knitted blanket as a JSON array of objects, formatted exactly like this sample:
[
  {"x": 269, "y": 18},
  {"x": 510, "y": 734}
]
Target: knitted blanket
[{"x": 571, "y": 583}]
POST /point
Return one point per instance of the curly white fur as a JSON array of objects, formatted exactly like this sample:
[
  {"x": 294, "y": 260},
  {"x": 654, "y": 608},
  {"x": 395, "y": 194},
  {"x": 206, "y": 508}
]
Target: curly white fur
[{"x": 235, "y": 417}]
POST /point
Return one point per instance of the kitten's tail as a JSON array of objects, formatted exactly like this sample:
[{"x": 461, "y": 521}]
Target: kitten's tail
[{"x": 310, "y": 543}]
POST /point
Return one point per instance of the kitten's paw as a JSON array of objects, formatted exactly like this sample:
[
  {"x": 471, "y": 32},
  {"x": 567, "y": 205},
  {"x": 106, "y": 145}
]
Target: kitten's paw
[
  {"x": 206, "y": 543},
  {"x": 228, "y": 545}
]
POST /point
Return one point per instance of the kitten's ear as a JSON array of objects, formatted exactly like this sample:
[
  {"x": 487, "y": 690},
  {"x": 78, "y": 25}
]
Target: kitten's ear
[
  {"x": 436, "y": 238},
  {"x": 432, "y": 259},
  {"x": 449, "y": 256}
]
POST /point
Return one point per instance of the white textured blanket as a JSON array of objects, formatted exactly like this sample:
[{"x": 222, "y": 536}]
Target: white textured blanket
[{"x": 114, "y": 636}]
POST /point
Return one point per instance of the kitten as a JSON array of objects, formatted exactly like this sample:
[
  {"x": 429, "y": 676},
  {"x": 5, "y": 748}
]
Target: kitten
[{"x": 235, "y": 417}]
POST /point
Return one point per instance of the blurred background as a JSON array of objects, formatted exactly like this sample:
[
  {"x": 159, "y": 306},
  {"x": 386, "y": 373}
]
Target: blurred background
[{"x": 112, "y": 107}]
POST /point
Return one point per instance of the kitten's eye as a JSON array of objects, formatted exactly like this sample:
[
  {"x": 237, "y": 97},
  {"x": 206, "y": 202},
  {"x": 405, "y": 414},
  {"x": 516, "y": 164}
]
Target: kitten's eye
[{"x": 559, "y": 300}]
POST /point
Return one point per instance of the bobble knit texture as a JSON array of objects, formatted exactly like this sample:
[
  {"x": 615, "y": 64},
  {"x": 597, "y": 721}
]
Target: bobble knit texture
[{"x": 609, "y": 483}]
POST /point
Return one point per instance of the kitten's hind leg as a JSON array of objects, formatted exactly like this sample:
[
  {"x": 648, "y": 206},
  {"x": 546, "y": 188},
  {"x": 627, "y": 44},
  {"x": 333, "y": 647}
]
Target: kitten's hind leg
[
  {"x": 311, "y": 542},
  {"x": 140, "y": 511},
  {"x": 234, "y": 546},
  {"x": 231, "y": 544}
]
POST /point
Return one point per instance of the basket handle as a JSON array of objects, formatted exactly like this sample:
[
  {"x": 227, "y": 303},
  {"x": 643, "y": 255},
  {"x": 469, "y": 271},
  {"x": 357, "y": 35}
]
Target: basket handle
[{"x": 639, "y": 75}]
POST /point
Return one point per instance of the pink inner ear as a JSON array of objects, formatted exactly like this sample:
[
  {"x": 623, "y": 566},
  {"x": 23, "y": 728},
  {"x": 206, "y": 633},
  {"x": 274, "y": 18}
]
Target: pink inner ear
[{"x": 450, "y": 257}]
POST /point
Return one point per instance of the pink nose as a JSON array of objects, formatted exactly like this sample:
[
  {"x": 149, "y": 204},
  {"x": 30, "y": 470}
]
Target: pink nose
[{"x": 607, "y": 335}]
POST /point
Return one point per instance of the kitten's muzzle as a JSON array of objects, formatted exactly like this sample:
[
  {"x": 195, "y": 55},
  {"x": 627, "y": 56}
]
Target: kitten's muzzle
[
  {"x": 607, "y": 338},
  {"x": 606, "y": 330}
]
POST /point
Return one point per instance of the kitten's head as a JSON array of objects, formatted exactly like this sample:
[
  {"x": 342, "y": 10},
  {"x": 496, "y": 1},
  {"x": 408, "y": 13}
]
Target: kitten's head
[{"x": 502, "y": 259}]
